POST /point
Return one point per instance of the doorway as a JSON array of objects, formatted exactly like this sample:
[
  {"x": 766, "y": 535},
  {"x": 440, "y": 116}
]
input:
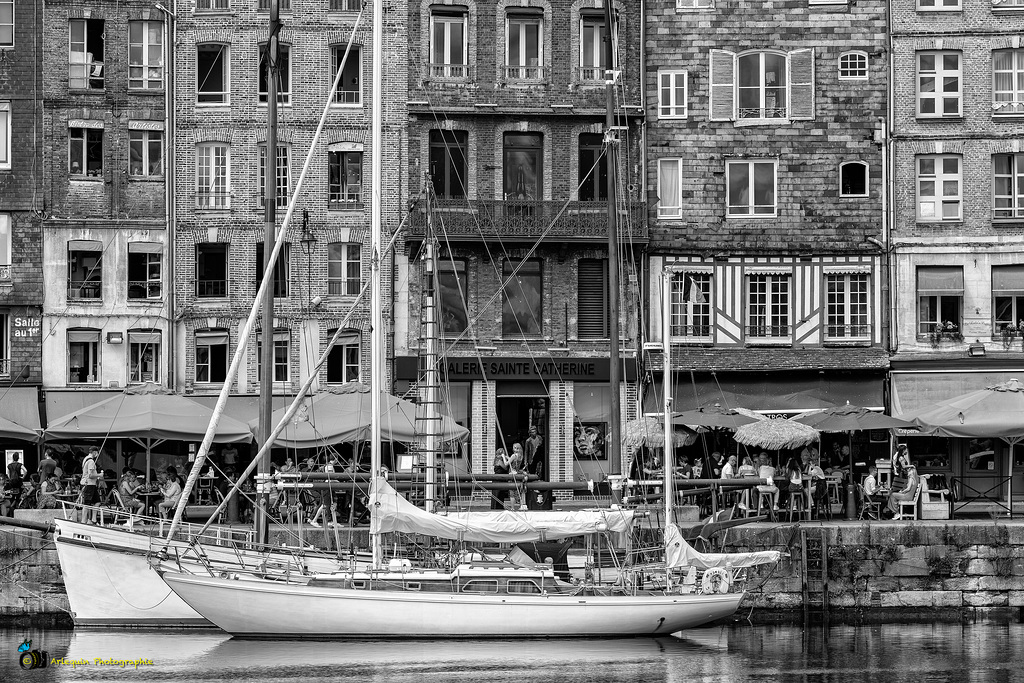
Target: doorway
[{"x": 515, "y": 415}]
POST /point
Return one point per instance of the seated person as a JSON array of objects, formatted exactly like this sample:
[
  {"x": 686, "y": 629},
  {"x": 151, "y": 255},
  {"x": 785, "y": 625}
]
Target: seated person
[
  {"x": 47, "y": 499},
  {"x": 767, "y": 472},
  {"x": 171, "y": 492},
  {"x": 906, "y": 493},
  {"x": 747, "y": 468},
  {"x": 871, "y": 482},
  {"x": 129, "y": 488},
  {"x": 683, "y": 469}
]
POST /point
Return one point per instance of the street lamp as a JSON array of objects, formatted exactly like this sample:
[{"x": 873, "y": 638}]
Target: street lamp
[{"x": 308, "y": 241}]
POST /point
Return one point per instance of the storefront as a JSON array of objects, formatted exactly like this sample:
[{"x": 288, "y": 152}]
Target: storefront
[
  {"x": 567, "y": 401},
  {"x": 982, "y": 465}
]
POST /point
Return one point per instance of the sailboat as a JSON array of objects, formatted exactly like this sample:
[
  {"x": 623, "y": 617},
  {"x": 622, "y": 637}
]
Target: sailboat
[
  {"x": 107, "y": 569},
  {"x": 477, "y": 597}
]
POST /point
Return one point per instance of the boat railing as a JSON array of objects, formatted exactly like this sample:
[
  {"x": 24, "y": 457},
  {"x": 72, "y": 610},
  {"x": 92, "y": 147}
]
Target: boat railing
[{"x": 103, "y": 515}]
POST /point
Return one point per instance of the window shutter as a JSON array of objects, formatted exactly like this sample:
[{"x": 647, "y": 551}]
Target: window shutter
[
  {"x": 801, "y": 84},
  {"x": 722, "y": 89},
  {"x": 592, "y": 289}
]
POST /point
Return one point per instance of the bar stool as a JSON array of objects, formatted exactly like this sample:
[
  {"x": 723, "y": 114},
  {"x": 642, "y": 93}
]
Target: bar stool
[
  {"x": 764, "y": 499},
  {"x": 797, "y": 502}
]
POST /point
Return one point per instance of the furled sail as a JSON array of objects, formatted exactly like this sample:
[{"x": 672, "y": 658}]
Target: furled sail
[
  {"x": 679, "y": 553},
  {"x": 391, "y": 512}
]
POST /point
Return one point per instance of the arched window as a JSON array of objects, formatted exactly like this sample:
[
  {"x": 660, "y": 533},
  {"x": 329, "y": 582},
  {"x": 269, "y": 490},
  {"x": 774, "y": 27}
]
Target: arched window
[
  {"x": 853, "y": 66},
  {"x": 853, "y": 179}
]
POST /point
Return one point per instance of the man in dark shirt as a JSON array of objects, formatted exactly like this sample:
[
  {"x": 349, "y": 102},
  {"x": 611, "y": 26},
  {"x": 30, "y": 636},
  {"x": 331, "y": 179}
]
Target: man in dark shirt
[{"x": 47, "y": 465}]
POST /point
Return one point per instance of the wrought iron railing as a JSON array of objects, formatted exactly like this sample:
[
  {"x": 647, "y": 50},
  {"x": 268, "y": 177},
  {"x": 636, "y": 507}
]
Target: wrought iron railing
[
  {"x": 834, "y": 332},
  {"x": 686, "y": 331},
  {"x": 211, "y": 288},
  {"x": 84, "y": 289},
  {"x": 5, "y": 273},
  {"x": 206, "y": 199},
  {"x": 768, "y": 331},
  {"x": 491, "y": 218},
  {"x": 143, "y": 289}
]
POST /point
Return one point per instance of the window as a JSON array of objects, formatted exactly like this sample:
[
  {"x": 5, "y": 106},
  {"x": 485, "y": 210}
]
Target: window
[
  {"x": 762, "y": 87},
  {"x": 344, "y": 179},
  {"x": 344, "y": 269},
  {"x": 1007, "y": 298},
  {"x": 85, "y": 153},
  {"x": 343, "y": 360},
  {"x": 940, "y": 295},
  {"x": 933, "y": 5},
  {"x": 5, "y": 247},
  {"x": 480, "y": 586},
  {"x": 768, "y": 306},
  {"x": 211, "y": 270},
  {"x": 145, "y": 54},
  {"x": 144, "y": 270},
  {"x": 938, "y": 84},
  {"x": 280, "y": 270},
  {"x": 523, "y": 177},
  {"x": 522, "y": 301},
  {"x": 212, "y": 73},
  {"x": 691, "y": 305},
  {"x": 350, "y": 87},
  {"x": 846, "y": 315},
  {"x": 212, "y": 4},
  {"x": 524, "y": 45},
  {"x": 145, "y": 152},
  {"x": 281, "y": 339},
  {"x": 211, "y": 356},
  {"x": 853, "y": 66},
  {"x": 853, "y": 179},
  {"x": 6, "y": 23},
  {"x": 938, "y": 188},
  {"x": 449, "y": 168},
  {"x": 670, "y": 188},
  {"x": 672, "y": 94},
  {"x": 751, "y": 188},
  {"x": 213, "y": 176},
  {"x": 85, "y": 58},
  {"x": 453, "y": 296},
  {"x": 592, "y": 48},
  {"x": 1008, "y": 82},
  {"x": 448, "y": 46},
  {"x": 520, "y": 586},
  {"x": 143, "y": 356},
  {"x": 83, "y": 356},
  {"x": 282, "y": 175},
  {"x": 1008, "y": 185},
  {"x": 593, "y": 168},
  {"x": 346, "y": 5},
  {"x": 694, "y": 4},
  {"x": 5, "y": 136},
  {"x": 592, "y": 299},
  {"x": 284, "y": 75},
  {"x": 282, "y": 5},
  {"x": 85, "y": 269}
]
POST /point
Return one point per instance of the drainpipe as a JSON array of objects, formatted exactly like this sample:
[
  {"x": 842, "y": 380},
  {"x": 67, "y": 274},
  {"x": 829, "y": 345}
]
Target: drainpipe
[{"x": 170, "y": 97}]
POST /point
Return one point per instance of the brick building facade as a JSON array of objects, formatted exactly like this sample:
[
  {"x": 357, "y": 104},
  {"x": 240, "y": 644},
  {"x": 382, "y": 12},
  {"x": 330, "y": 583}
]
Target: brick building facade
[
  {"x": 507, "y": 126},
  {"x": 105, "y": 245},
  {"x": 765, "y": 178},
  {"x": 21, "y": 203},
  {"x": 220, "y": 140},
  {"x": 958, "y": 229}
]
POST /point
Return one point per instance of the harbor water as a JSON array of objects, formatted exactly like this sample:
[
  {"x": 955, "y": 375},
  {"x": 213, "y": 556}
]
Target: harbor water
[{"x": 740, "y": 652}]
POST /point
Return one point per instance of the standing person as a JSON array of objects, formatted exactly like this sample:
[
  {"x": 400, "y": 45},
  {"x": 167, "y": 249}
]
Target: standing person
[
  {"x": 717, "y": 463},
  {"x": 90, "y": 482},
  {"x": 16, "y": 470},
  {"x": 900, "y": 460},
  {"x": 518, "y": 467},
  {"x": 501, "y": 465},
  {"x": 47, "y": 465},
  {"x": 229, "y": 456},
  {"x": 535, "y": 453}
]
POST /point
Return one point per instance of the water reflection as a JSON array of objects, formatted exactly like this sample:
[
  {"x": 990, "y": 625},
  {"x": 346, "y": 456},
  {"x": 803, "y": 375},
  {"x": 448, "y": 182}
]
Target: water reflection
[{"x": 918, "y": 652}]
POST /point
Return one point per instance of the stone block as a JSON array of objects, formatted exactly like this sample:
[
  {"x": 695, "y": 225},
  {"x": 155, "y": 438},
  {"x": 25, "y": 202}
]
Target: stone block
[
  {"x": 965, "y": 583},
  {"x": 1016, "y": 598},
  {"x": 998, "y": 583},
  {"x": 908, "y": 566},
  {"x": 986, "y": 599},
  {"x": 980, "y": 568}
]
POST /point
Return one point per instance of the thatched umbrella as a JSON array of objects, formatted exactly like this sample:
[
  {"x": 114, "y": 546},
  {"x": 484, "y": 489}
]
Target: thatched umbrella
[
  {"x": 649, "y": 431},
  {"x": 775, "y": 434}
]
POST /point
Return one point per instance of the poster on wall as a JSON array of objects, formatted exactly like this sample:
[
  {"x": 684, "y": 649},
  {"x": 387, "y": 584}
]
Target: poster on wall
[{"x": 588, "y": 440}]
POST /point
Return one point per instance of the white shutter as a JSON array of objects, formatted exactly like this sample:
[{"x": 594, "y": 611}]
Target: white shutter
[
  {"x": 722, "y": 88},
  {"x": 801, "y": 84}
]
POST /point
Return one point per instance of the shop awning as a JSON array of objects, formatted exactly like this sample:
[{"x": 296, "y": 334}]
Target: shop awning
[
  {"x": 243, "y": 408},
  {"x": 913, "y": 390},
  {"x": 772, "y": 392},
  {"x": 21, "y": 406},
  {"x": 60, "y": 403}
]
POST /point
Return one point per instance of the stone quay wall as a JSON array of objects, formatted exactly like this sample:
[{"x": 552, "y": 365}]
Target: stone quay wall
[{"x": 876, "y": 571}]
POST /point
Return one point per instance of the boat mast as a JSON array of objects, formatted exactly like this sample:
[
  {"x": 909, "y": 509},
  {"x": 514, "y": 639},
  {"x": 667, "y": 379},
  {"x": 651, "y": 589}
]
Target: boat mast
[
  {"x": 269, "y": 237},
  {"x": 612, "y": 443},
  {"x": 668, "y": 462},
  {"x": 377, "y": 370},
  {"x": 429, "y": 394}
]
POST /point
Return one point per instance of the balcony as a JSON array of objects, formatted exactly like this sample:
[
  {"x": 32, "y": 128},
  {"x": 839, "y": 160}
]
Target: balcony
[
  {"x": 84, "y": 289},
  {"x": 477, "y": 220},
  {"x": 523, "y": 73},
  {"x": 449, "y": 72}
]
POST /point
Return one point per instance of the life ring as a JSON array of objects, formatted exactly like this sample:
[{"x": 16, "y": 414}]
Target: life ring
[{"x": 715, "y": 580}]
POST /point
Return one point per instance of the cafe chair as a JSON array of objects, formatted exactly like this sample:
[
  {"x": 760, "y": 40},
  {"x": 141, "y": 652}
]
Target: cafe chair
[
  {"x": 797, "y": 503},
  {"x": 870, "y": 508}
]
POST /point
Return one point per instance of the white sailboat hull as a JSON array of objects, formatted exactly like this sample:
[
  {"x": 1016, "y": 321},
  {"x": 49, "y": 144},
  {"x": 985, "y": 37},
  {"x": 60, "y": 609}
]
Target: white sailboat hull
[
  {"x": 260, "y": 608},
  {"x": 109, "y": 581}
]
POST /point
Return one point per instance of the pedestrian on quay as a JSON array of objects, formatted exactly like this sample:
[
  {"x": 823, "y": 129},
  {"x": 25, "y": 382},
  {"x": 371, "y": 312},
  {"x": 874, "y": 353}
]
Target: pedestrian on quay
[
  {"x": 47, "y": 465},
  {"x": 535, "y": 453},
  {"x": 90, "y": 483}
]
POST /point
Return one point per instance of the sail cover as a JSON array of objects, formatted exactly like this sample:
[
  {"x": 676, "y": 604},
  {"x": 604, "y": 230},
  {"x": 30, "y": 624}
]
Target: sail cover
[
  {"x": 391, "y": 512},
  {"x": 679, "y": 553}
]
